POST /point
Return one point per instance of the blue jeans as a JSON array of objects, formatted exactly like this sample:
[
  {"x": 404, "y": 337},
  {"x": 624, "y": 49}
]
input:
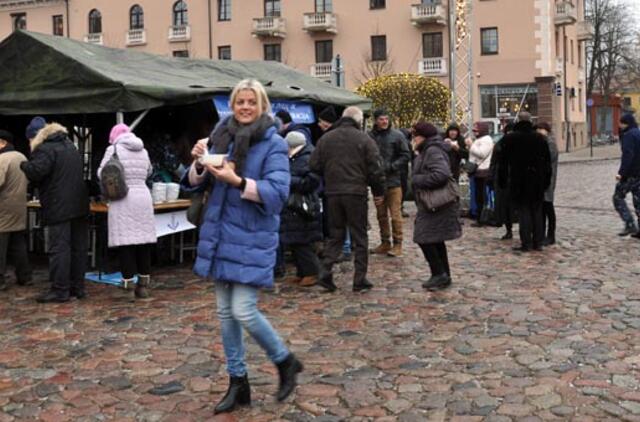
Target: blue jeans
[
  {"x": 346, "y": 246},
  {"x": 237, "y": 309}
]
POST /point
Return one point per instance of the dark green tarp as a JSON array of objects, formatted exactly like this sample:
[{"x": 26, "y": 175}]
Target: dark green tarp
[{"x": 43, "y": 74}]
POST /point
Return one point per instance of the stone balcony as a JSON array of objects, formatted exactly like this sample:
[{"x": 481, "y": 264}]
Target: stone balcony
[
  {"x": 435, "y": 66},
  {"x": 269, "y": 26},
  {"x": 320, "y": 22},
  {"x": 566, "y": 13},
  {"x": 425, "y": 14}
]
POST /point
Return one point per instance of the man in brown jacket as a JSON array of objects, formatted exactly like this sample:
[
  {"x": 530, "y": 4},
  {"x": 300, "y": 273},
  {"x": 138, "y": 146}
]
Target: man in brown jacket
[{"x": 13, "y": 212}]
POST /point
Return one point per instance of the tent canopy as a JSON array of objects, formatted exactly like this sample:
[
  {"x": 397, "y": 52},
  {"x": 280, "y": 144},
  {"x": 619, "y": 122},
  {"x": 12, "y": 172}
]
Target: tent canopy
[{"x": 43, "y": 74}]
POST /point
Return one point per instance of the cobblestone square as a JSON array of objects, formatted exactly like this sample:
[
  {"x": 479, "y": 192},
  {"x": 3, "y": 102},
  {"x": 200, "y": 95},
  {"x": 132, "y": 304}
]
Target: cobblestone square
[{"x": 549, "y": 335}]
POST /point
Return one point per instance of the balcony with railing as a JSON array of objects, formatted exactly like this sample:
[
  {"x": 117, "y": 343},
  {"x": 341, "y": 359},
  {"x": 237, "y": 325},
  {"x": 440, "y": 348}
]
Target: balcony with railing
[
  {"x": 425, "y": 14},
  {"x": 322, "y": 71},
  {"x": 93, "y": 38},
  {"x": 585, "y": 31},
  {"x": 269, "y": 26},
  {"x": 566, "y": 13},
  {"x": 434, "y": 66},
  {"x": 320, "y": 22},
  {"x": 179, "y": 33},
  {"x": 136, "y": 37}
]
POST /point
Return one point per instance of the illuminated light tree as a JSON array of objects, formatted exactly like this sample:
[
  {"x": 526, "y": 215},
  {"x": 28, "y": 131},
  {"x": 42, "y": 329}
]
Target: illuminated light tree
[{"x": 409, "y": 97}]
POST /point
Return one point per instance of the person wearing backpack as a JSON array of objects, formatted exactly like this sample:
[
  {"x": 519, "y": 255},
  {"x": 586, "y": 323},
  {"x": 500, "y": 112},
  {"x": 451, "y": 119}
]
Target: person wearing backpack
[
  {"x": 56, "y": 170},
  {"x": 131, "y": 222}
]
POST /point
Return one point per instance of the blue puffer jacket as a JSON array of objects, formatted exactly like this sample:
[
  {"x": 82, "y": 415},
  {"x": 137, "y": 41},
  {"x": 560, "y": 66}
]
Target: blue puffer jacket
[
  {"x": 238, "y": 237},
  {"x": 630, "y": 162}
]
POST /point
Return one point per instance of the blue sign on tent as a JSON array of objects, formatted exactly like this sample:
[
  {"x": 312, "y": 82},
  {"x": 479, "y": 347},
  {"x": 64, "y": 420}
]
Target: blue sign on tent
[{"x": 300, "y": 112}]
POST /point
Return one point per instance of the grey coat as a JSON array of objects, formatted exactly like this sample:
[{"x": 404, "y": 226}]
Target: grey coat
[
  {"x": 553, "y": 150},
  {"x": 431, "y": 170}
]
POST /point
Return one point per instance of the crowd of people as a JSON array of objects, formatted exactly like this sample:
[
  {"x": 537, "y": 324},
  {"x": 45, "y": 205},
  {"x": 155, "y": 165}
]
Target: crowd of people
[{"x": 276, "y": 191}]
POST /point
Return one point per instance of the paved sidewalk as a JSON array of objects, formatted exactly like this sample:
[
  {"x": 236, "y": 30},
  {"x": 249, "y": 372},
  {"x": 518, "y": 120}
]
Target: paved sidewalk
[
  {"x": 545, "y": 336},
  {"x": 603, "y": 152}
]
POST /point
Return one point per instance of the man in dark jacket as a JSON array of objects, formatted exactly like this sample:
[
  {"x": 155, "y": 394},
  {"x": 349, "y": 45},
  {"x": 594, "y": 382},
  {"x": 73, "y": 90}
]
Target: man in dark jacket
[
  {"x": 628, "y": 175},
  {"x": 349, "y": 161},
  {"x": 56, "y": 169},
  {"x": 525, "y": 169},
  {"x": 288, "y": 126},
  {"x": 395, "y": 155}
]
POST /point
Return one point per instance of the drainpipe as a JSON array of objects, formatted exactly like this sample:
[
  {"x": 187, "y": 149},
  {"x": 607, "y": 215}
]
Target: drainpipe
[
  {"x": 67, "y": 12},
  {"x": 210, "y": 30},
  {"x": 566, "y": 90}
]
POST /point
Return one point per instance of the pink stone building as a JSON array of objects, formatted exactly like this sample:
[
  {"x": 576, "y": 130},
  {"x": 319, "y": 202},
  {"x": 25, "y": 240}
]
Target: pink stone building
[{"x": 527, "y": 54}]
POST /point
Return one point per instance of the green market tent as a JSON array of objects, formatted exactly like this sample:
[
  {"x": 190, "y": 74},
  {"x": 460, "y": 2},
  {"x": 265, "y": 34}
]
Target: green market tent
[{"x": 43, "y": 74}]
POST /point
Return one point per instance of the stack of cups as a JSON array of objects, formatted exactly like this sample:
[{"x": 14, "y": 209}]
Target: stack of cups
[
  {"x": 173, "y": 191},
  {"x": 159, "y": 192}
]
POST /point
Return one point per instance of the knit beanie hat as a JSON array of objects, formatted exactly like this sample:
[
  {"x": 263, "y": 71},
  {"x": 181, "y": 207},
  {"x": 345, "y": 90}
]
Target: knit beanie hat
[
  {"x": 379, "y": 112},
  {"x": 34, "y": 127},
  {"x": 118, "y": 130},
  {"x": 284, "y": 116},
  {"x": 482, "y": 128},
  {"x": 7, "y": 136},
  {"x": 295, "y": 139},
  {"x": 427, "y": 130},
  {"x": 328, "y": 114}
]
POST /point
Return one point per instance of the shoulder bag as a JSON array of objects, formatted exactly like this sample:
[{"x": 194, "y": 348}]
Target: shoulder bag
[{"x": 434, "y": 200}]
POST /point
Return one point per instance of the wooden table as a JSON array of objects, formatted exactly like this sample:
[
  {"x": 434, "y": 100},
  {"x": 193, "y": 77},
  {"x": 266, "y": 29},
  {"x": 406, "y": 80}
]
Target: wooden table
[{"x": 103, "y": 207}]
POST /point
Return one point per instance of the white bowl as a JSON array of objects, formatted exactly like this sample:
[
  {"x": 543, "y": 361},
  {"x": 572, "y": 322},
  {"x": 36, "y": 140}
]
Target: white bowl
[{"x": 215, "y": 160}]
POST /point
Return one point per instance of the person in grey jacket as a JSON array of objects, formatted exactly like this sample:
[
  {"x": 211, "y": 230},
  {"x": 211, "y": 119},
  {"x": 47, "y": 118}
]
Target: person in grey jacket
[
  {"x": 395, "y": 155},
  {"x": 431, "y": 170},
  {"x": 549, "y": 212}
]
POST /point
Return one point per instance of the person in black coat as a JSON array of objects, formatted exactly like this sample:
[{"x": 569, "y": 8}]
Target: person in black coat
[
  {"x": 298, "y": 232},
  {"x": 504, "y": 212},
  {"x": 525, "y": 169},
  {"x": 56, "y": 169}
]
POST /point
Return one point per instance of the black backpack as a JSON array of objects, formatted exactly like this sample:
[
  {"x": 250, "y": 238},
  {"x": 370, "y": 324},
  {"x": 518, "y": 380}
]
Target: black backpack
[{"x": 112, "y": 180}]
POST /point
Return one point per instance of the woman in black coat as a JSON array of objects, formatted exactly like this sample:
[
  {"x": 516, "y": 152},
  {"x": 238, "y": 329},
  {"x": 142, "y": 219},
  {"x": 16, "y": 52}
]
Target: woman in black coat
[
  {"x": 458, "y": 151},
  {"x": 297, "y": 231},
  {"x": 431, "y": 170}
]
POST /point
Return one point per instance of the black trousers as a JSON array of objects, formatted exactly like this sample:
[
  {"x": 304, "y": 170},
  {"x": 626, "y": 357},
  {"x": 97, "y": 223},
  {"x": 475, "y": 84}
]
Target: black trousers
[
  {"x": 436, "y": 256},
  {"x": 531, "y": 223},
  {"x": 480, "y": 188},
  {"x": 68, "y": 255},
  {"x": 13, "y": 248},
  {"x": 549, "y": 220},
  {"x": 305, "y": 258},
  {"x": 135, "y": 259},
  {"x": 351, "y": 211}
]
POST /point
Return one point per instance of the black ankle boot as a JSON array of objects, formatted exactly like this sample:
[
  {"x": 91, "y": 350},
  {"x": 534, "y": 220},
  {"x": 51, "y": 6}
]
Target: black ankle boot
[
  {"x": 238, "y": 394},
  {"x": 288, "y": 370}
]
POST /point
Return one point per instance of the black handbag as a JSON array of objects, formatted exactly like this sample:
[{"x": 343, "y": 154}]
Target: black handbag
[
  {"x": 306, "y": 205},
  {"x": 434, "y": 200},
  {"x": 195, "y": 212},
  {"x": 470, "y": 168}
]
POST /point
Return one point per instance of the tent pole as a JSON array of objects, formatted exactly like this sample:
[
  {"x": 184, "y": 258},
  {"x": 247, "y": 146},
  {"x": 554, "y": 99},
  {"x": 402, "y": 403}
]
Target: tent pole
[
  {"x": 119, "y": 117},
  {"x": 139, "y": 119}
]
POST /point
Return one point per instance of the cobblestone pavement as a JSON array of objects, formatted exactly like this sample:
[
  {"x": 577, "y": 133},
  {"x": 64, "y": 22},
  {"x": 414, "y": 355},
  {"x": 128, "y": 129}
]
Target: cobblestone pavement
[
  {"x": 600, "y": 152},
  {"x": 543, "y": 336}
]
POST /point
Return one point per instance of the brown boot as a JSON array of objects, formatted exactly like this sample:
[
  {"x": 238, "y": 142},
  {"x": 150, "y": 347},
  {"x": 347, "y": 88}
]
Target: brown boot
[
  {"x": 382, "y": 249},
  {"x": 396, "y": 251},
  {"x": 308, "y": 281},
  {"x": 292, "y": 280},
  {"x": 142, "y": 287}
]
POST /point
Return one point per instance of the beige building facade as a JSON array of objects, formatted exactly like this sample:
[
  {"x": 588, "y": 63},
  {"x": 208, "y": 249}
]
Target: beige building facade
[{"x": 526, "y": 54}]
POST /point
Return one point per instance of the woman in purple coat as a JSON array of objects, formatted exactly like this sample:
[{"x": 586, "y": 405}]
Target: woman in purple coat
[{"x": 131, "y": 222}]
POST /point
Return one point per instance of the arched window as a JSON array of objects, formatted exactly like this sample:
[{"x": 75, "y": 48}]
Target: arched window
[
  {"x": 136, "y": 17},
  {"x": 95, "y": 22},
  {"x": 180, "y": 16}
]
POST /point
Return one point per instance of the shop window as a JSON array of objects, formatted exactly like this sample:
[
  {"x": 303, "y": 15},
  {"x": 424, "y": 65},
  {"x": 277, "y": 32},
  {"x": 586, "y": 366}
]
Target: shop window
[
  {"x": 489, "y": 41},
  {"x": 378, "y": 48},
  {"x": 136, "y": 17},
  {"x": 180, "y": 14},
  {"x": 95, "y": 22},
  {"x": 504, "y": 101}
]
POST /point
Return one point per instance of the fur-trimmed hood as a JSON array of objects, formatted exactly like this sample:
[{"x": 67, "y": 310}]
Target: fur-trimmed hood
[{"x": 46, "y": 132}]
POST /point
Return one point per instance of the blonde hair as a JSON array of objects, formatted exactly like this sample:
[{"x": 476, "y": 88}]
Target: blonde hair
[{"x": 264, "y": 106}]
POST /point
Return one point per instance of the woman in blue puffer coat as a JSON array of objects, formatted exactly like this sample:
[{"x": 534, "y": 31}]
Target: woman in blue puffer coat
[{"x": 239, "y": 232}]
